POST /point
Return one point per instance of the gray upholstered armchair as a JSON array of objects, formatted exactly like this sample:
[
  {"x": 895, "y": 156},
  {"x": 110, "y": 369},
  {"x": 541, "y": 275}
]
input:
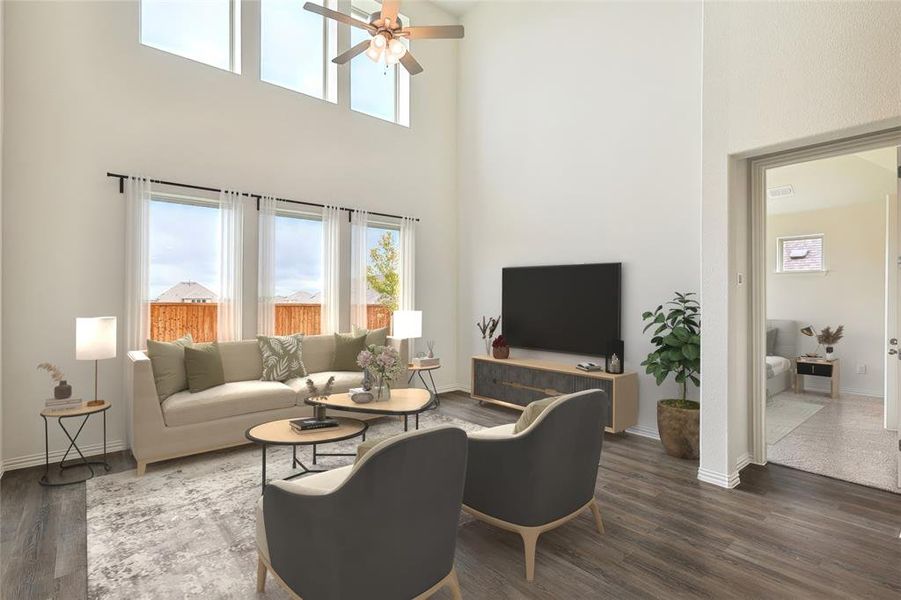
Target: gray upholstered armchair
[
  {"x": 385, "y": 527},
  {"x": 541, "y": 477}
]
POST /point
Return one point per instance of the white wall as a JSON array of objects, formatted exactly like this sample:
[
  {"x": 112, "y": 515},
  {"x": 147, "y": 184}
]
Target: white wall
[
  {"x": 83, "y": 97},
  {"x": 580, "y": 142},
  {"x": 850, "y": 293},
  {"x": 776, "y": 76}
]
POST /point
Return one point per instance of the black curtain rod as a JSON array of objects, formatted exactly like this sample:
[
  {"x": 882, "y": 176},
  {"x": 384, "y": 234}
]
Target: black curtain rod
[{"x": 189, "y": 186}]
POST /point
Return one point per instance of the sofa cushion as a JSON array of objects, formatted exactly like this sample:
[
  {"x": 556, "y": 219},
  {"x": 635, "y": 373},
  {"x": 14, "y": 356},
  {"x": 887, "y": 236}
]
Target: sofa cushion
[
  {"x": 282, "y": 356},
  {"x": 498, "y": 432},
  {"x": 347, "y": 348},
  {"x": 167, "y": 360},
  {"x": 318, "y": 352},
  {"x": 344, "y": 380},
  {"x": 203, "y": 366},
  {"x": 242, "y": 360},
  {"x": 531, "y": 413},
  {"x": 374, "y": 337},
  {"x": 228, "y": 400}
]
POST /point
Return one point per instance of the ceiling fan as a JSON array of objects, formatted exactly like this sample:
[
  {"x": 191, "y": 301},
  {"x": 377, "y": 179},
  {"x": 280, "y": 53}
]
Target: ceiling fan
[{"x": 387, "y": 34}]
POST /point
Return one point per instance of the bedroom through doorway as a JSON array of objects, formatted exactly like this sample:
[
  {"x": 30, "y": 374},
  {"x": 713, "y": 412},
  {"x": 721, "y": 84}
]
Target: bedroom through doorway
[{"x": 827, "y": 236}]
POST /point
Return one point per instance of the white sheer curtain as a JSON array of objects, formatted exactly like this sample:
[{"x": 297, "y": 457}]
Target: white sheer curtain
[
  {"x": 331, "y": 251},
  {"x": 266, "y": 308},
  {"x": 359, "y": 222},
  {"x": 407, "y": 299},
  {"x": 231, "y": 280},
  {"x": 137, "y": 265}
]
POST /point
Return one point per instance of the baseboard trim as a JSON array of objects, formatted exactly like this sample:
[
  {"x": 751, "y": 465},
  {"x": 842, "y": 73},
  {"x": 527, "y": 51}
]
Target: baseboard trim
[
  {"x": 743, "y": 461},
  {"x": 719, "y": 479},
  {"x": 453, "y": 387},
  {"x": 33, "y": 460},
  {"x": 645, "y": 431}
]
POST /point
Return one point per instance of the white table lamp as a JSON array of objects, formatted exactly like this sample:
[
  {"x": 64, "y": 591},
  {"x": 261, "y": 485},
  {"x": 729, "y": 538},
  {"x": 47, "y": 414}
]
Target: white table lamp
[
  {"x": 95, "y": 339},
  {"x": 408, "y": 326}
]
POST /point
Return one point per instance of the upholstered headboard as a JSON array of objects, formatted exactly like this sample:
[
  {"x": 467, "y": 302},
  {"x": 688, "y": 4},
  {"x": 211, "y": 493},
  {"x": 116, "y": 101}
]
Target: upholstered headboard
[{"x": 782, "y": 338}]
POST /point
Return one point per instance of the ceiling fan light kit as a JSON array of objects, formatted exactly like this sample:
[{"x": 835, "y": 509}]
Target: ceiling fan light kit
[{"x": 387, "y": 34}]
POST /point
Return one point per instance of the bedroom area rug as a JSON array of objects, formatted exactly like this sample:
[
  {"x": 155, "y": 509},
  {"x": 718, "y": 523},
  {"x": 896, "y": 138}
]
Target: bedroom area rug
[
  {"x": 186, "y": 529},
  {"x": 786, "y": 411}
]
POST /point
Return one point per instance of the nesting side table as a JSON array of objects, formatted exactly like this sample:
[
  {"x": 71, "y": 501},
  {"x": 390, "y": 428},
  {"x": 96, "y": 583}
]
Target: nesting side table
[{"x": 85, "y": 412}]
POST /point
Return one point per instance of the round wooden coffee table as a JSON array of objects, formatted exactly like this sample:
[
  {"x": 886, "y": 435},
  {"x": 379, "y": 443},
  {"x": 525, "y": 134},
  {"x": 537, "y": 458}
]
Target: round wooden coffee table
[
  {"x": 403, "y": 402},
  {"x": 280, "y": 433}
]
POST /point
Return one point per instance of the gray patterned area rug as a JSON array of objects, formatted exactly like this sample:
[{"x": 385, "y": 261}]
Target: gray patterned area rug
[{"x": 186, "y": 528}]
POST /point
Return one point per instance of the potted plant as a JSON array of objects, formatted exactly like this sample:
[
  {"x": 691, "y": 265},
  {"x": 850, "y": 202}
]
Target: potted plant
[
  {"x": 677, "y": 351},
  {"x": 62, "y": 390},
  {"x": 830, "y": 338},
  {"x": 499, "y": 347},
  {"x": 487, "y": 328}
]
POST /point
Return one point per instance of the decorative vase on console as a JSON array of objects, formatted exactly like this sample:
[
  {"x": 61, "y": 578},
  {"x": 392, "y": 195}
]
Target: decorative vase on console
[
  {"x": 487, "y": 327},
  {"x": 500, "y": 348}
]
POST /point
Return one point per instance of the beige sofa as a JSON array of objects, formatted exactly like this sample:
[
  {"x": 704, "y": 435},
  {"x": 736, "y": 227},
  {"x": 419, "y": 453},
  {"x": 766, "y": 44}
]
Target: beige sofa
[{"x": 187, "y": 423}]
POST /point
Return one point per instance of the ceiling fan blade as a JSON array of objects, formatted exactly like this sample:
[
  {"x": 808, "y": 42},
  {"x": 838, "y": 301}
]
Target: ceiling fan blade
[
  {"x": 346, "y": 56},
  {"x": 340, "y": 17},
  {"x": 410, "y": 64},
  {"x": 433, "y": 32},
  {"x": 389, "y": 10}
]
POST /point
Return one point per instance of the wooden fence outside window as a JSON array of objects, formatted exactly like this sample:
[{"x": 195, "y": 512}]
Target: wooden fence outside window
[{"x": 171, "y": 320}]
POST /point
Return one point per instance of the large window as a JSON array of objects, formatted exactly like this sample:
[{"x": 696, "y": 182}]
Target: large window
[
  {"x": 206, "y": 31},
  {"x": 184, "y": 269},
  {"x": 382, "y": 275},
  {"x": 296, "y": 47},
  {"x": 298, "y": 274},
  {"x": 377, "y": 89},
  {"x": 800, "y": 254}
]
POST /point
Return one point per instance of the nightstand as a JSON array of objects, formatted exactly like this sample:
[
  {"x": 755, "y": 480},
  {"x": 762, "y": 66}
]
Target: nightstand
[{"x": 817, "y": 367}]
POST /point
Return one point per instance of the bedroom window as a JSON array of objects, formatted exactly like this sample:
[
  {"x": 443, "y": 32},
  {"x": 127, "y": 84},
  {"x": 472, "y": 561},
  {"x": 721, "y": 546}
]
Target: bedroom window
[
  {"x": 296, "y": 47},
  {"x": 207, "y": 32},
  {"x": 800, "y": 254}
]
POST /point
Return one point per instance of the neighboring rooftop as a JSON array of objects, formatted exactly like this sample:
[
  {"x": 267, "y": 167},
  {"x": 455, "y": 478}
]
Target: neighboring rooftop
[{"x": 187, "y": 291}]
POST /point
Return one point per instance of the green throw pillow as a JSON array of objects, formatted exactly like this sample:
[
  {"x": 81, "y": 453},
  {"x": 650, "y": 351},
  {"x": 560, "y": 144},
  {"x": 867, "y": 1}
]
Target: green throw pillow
[
  {"x": 374, "y": 337},
  {"x": 282, "y": 357},
  {"x": 168, "y": 362},
  {"x": 203, "y": 366},
  {"x": 347, "y": 348},
  {"x": 531, "y": 412}
]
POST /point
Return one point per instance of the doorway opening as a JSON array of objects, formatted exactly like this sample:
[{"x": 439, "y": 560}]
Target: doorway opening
[{"x": 826, "y": 253}]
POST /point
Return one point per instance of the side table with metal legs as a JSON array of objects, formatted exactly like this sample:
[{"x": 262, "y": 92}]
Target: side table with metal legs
[
  {"x": 414, "y": 371},
  {"x": 84, "y": 411}
]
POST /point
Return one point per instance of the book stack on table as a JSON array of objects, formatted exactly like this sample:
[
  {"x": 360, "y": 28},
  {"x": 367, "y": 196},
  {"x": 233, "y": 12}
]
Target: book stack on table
[
  {"x": 311, "y": 423},
  {"x": 422, "y": 362},
  {"x": 64, "y": 404}
]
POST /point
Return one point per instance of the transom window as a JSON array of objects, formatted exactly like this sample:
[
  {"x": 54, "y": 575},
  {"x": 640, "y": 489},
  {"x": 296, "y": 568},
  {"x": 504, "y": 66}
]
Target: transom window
[
  {"x": 296, "y": 48},
  {"x": 377, "y": 89},
  {"x": 799, "y": 254},
  {"x": 208, "y": 31}
]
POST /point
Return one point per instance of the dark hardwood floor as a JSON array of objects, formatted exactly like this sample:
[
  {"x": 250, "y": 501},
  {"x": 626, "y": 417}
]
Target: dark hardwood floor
[{"x": 781, "y": 534}]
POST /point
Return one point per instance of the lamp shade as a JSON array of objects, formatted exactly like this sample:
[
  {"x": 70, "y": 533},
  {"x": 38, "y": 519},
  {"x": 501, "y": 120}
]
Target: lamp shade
[
  {"x": 407, "y": 324},
  {"x": 95, "y": 338}
]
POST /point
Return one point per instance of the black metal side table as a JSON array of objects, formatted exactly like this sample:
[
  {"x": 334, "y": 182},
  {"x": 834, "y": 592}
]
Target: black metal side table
[{"x": 84, "y": 411}]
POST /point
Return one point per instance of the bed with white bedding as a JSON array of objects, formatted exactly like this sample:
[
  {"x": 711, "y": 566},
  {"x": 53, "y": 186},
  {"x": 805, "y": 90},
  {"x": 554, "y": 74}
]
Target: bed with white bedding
[{"x": 781, "y": 344}]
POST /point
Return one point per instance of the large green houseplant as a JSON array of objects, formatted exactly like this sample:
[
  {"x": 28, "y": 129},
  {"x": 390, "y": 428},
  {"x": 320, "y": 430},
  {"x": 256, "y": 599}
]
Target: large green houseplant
[{"x": 676, "y": 339}]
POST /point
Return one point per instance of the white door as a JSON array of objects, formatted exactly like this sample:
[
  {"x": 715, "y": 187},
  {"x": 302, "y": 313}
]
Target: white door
[{"x": 893, "y": 315}]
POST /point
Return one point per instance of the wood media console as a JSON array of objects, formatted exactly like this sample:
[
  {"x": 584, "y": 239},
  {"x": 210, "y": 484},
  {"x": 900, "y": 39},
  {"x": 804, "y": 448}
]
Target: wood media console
[{"x": 516, "y": 382}]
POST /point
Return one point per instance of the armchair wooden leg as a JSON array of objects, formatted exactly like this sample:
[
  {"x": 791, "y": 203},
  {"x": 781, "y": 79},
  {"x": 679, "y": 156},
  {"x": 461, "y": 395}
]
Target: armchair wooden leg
[
  {"x": 142, "y": 466},
  {"x": 261, "y": 575},
  {"x": 454, "y": 584},
  {"x": 596, "y": 511},
  {"x": 529, "y": 542}
]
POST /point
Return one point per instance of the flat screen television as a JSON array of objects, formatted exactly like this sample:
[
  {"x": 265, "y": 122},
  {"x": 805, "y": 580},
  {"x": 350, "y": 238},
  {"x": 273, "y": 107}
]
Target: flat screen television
[{"x": 568, "y": 308}]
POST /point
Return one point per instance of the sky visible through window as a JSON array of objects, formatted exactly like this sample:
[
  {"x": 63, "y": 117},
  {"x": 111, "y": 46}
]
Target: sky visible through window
[
  {"x": 292, "y": 47},
  {"x": 184, "y": 246},
  {"x": 298, "y": 255},
  {"x": 197, "y": 30},
  {"x": 372, "y": 85}
]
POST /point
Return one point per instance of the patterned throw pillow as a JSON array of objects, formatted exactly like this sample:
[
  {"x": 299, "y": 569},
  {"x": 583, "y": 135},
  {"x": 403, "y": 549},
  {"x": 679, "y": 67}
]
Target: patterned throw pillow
[{"x": 282, "y": 357}]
